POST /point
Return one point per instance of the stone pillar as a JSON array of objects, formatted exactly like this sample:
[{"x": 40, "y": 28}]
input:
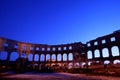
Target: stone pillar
[
  {"x": 56, "y": 58},
  {"x": 67, "y": 56},
  {"x": 33, "y": 61},
  {"x": 61, "y": 57},
  {"x": 39, "y": 67},
  {"x": 93, "y": 55},
  {"x": 8, "y": 57},
  {"x": 111, "y": 61},
  {"x": 45, "y": 58},
  {"x": 50, "y": 59},
  {"x": 101, "y": 56},
  {"x": 39, "y": 57},
  {"x": 73, "y": 64},
  {"x": 119, "y": 49},
  {"x": 39, "y": 62},
  {"x": 109, "y": 51},
  {"x": 67, "y": 65},
  {"x": 19, "y": 52},
  {"x": 33, "y": 57},
  {"x": 79, "y": 64}
]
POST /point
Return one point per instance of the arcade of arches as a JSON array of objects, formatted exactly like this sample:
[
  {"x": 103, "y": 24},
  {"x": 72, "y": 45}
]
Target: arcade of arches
[{"x": 101, "y": 51}]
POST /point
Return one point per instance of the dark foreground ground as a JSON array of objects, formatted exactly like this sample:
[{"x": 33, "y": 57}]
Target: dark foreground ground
[{"x": 52, "y": 76}]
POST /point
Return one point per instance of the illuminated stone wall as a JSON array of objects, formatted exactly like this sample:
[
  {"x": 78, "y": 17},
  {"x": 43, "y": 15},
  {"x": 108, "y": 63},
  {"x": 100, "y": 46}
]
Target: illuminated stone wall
[
  {"x": 95, "y": 53},
  {"x": 62, "y": 55}
]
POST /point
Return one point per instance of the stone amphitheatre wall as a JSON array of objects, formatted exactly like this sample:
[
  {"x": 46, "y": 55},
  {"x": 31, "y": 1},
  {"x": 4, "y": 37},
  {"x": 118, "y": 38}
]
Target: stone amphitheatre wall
[
  {"x": 105, "y": 49},
  {"x": 95, "y": 53}
]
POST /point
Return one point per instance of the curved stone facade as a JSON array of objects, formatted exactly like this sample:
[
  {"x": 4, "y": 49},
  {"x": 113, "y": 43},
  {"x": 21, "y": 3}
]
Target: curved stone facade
[
  {"x": 105, "y": 49},
  {"x": 94, "y": 54}
]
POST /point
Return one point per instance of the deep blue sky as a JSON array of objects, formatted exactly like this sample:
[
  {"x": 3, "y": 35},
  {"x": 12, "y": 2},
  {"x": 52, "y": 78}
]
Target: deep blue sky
[{"x": 58, "y": 21}]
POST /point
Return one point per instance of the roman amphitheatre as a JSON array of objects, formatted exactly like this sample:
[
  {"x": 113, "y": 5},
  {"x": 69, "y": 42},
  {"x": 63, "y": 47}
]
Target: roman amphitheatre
[{"x": 98, "y": 57}]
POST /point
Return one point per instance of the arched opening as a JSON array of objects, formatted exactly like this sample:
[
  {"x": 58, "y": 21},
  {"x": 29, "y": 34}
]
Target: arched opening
[
  {"x": 47, "y": 65},
  {"x": 59, "y": 57},
  {"x": 53, "y": 64},
  {"x": 97, "y": 53},
  {"x": 3, "y": 55},
  {"x": 116, "y": 62},
  {"x": 77, "y": 65},
  {"x": 105, "y": 52},
  {"x": 16, "y": 46},
  {"x": 30, "y": 57},
  {"x": 48, "y": 57},
  {"x": 89, "y": 63},
  {"x": 5, "y": 44},
  {"x": 89, "y": 54},
  {"x": 64, "y": 64},
  {"x": 70, "y": 65},
  {"x": 14, "y": 56},
  {"x": 88, "y": 44},
  {"x": 115, "y": 51},
  {"x": 97, "y": 61},
  {"x": 36, "y": 58},
  {"x": 95, "y": 43},
  {"x": 103, "y": 41},
  {"x": 24, "y": 47},
  {"x": 83, "y": 64},
  {"x": 106, "y": 62},
  {"x": 53, "y": 57},
  {"x": 23, "y": 55},
  {"x": 42, "y": 57},
  {"x": 59, "y": 64},
  {"x": 70, "y": 57},
  {"x": 112, "y": 39},
  {"x": 70, "y": 47},
  {"x": 64, "y": 57}
]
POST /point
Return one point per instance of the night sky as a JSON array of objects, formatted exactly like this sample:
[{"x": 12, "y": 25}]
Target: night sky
[{"x": 58, "y": 21}]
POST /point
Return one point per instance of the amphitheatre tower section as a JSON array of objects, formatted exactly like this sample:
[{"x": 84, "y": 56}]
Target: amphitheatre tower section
[{"x": 104, "y": 51}]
